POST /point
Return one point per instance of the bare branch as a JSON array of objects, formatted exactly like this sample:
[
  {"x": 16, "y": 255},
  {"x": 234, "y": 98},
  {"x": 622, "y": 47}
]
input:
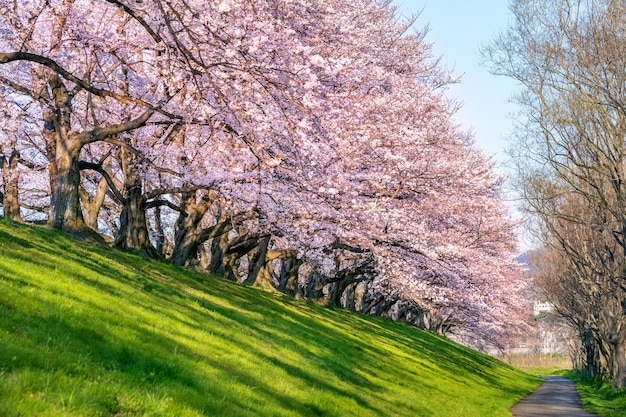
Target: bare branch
[{"x": 138, "y": 18}]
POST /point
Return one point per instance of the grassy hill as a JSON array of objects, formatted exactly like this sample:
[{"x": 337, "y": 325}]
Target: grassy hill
[{"x": 90, "y": 331}]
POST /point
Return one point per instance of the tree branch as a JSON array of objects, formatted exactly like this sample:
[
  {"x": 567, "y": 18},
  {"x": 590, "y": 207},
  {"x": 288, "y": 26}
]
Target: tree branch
[
  {"x": 6, "y": 57},
  {"x": 161, "y": 203},
  {"x": 19, "y": 88},
  {"x": 138, "y": 18},
  {"x": 98, "y": 168},
  {"x": 99, "y": 134}
]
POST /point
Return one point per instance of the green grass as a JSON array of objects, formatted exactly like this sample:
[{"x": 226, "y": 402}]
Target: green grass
[
  {"x": 90, "y": 331},
  {"x": 598, "y": 396}
]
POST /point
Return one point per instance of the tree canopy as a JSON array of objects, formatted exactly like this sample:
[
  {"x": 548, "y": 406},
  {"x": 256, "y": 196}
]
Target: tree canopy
[{"x": 303, "y": 146}]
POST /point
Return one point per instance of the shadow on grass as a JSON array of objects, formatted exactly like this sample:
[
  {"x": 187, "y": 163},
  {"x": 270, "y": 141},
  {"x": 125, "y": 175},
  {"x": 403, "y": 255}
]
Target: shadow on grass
[
  {"x": 196, "y": 326},
  {"x": 131, "y": 362},
  {"x": 137, "y": 355}
]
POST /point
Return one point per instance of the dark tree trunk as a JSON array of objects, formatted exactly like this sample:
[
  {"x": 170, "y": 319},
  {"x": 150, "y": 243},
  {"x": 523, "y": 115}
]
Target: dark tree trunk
[
  {"x": 237, "y": 248},
  {"x": 591, "y": 356},
  {"x": 186, "y": 231},
  {"x": 341, "y": 284},
  {"x": 188, "y": 244},
  {"x": 219, "y": 245},
  {"x": 288, "y": 276},
  {"x": 257, "y": 265},
  {"x": 226, "y": 254},
  {"x": 313, "y": 289},
  {"x": 379, "y": 305},
  {"x": 188, "y": 236},
  {"x": 133, "y": 233},
  {"x": 348, "y": 276}
]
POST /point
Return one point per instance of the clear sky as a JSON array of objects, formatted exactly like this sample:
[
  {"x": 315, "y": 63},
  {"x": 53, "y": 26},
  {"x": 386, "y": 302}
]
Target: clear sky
[{"x": 458, "y": 28}]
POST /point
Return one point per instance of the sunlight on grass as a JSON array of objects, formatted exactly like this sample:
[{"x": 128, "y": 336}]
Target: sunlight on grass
[
  {"x": 89, "y": 331},
  {"x": 597, "y": 395}
]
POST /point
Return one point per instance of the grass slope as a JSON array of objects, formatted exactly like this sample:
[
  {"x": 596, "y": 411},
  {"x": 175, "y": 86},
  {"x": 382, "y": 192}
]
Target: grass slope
[{"x": 86, "y": 330}]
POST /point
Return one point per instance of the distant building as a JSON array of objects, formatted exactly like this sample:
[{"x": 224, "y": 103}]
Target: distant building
[{"x": 542, "y": 306}]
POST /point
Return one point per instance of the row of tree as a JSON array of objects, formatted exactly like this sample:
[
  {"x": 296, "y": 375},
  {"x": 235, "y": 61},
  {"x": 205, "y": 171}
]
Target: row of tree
[
  {"x": 303, "y": 146},
  {"x": 570, "y": 56}
]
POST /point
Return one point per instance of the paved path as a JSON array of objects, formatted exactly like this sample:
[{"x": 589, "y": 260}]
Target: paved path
[{"x": 556, "y": 397}]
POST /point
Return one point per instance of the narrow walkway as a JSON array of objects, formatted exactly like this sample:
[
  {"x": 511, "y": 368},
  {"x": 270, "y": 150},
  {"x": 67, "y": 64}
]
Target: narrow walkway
[{"x": 556, "y": 397}]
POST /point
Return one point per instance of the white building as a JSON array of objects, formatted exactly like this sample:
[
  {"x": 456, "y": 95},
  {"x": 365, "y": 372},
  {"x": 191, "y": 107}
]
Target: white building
[{"x": 542, "y": 306}]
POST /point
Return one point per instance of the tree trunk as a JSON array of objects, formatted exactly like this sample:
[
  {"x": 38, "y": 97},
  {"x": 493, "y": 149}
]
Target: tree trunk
[
  {"x": 204, "y": 258},
  {"x": 185, "y": 247},
  {"x": 340, "y": 283},
  {"x": 238, "y": 247},
  {"x": 618, "y": 359},
  {"x": 337, "y": 289},
  {"x": 353, "y": 265},
  {"x": 159, "y": 233},
  {"x": 93, "y": 204},
  {"x": 186, "y": 232},
  {"x": 379, "y": 305},
  {"x": 288, "y": 277},
  {"x": 11, "y": 177},
  {"x": 63, "y": 153},
  {"x": 65, "y": 210},
  {"x": 257, "y": 259},
  {"x": 437, "y": 322},
  {"x": 260, "y": 265},
  {"x": 314, "y": 288},
  {"x": 133, "y": 233},
  {"x": 219, "y": 245}
]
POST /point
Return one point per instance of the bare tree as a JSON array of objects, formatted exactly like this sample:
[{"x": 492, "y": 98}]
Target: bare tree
[{"x": 569, "y": 57}]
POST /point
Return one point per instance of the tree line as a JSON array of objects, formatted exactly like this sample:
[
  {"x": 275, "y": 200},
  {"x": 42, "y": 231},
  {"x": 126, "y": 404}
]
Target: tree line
[
  {"x": 569, "y": 57},
  {"x": 306, "y": 146}
]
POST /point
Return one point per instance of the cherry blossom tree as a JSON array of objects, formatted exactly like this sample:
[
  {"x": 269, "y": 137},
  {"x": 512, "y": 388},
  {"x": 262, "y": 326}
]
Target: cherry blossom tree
[{"x": 307, "y": 147}]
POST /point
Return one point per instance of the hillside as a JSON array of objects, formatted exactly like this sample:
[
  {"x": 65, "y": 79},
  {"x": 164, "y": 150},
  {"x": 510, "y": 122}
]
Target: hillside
[{"x": 86, "y": 330}]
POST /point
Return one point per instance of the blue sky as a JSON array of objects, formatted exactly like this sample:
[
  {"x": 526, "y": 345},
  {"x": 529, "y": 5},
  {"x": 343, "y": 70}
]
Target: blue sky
[{"x": 457, "y": 29}]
